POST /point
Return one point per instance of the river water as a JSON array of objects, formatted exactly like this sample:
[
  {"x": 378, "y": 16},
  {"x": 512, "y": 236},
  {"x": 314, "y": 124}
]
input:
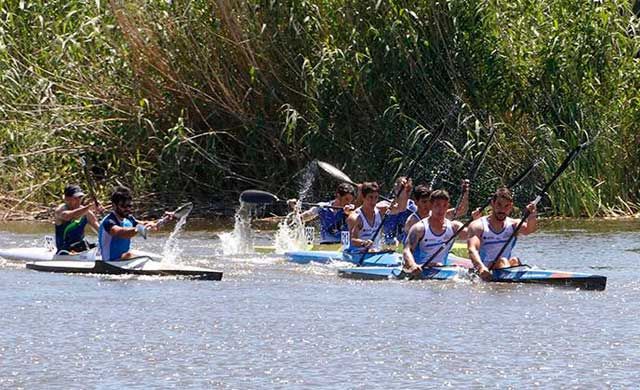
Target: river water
[{"x": 270, "y": 324}]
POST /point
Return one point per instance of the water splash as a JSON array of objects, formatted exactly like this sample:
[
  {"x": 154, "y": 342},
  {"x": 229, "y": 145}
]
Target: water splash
[
  {"x": 240, "y": 240},
  {"x": 292, "y": 233},
  {"x": 171, "y": 251},
  {"x": 308, "y": 178}
]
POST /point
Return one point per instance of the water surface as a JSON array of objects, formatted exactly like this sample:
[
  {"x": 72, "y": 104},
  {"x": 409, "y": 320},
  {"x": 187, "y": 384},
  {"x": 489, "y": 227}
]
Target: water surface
[{"x": 270, "y": 324}]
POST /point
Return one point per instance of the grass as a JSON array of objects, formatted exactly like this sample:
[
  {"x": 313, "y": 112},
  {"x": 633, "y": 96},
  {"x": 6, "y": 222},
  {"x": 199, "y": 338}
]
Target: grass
[{"x": 199, "y": 100}]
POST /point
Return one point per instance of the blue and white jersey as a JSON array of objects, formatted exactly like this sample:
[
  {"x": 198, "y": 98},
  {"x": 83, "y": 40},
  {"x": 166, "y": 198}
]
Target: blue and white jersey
[
  {"x": 431, "y": 242},
  {"x": 332, "y": 223},
  {"x": 491, "y": 241},
  {"x": 394, "y": 224},
  {"x": 368, "y": 230},
  {"x": 112, "y": 248}
]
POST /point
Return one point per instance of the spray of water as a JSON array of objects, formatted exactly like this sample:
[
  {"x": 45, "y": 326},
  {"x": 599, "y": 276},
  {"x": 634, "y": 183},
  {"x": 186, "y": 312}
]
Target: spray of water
[
  {"x": 240, "y": 240},
  {"x": 171, "y": 250},
  {"x": 291, "y": 233}
]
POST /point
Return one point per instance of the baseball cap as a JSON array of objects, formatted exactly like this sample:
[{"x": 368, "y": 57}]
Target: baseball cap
[{"x": 73, "y": 191}]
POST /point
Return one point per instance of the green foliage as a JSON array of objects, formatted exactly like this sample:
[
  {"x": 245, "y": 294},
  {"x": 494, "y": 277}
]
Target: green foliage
[{"x": 204, "y": 98}]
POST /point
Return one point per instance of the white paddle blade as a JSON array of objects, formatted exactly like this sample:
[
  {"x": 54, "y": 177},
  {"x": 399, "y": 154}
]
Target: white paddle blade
[
  {"x": 335, "y": 172},
  {"x": 183, "y": 210}
]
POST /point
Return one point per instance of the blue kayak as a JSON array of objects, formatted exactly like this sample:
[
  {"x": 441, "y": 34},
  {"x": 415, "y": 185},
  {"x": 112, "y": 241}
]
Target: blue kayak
[
  {"x": 527, "y": 274},
  {"x": 385, "y": 258},
  {"x": 520, "y": 274},
  {"x": 380, "y": 273}
]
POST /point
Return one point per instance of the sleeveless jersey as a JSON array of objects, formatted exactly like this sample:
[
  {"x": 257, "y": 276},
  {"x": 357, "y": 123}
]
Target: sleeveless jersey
[
  {"x": 394, "y": 224},
  {"x": 332, "y": 223},
  {"x": 431, "y": 242},
  {"x": 367, "y": 230},
  {"x": 69, "y": 233},
  {"x": 492, "y": 241}
]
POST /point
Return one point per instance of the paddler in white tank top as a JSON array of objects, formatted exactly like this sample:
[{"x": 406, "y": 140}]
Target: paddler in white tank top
[
  {"x": 488, "y": 235},
  {"x": 427, "y": 235},
  {"x": 366, "y": 220},
  {"x": 421, "y": 198}
]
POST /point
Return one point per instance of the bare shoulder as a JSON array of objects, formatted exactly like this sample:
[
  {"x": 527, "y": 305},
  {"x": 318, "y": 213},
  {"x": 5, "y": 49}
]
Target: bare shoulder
[{"x": 415, "y": 234}]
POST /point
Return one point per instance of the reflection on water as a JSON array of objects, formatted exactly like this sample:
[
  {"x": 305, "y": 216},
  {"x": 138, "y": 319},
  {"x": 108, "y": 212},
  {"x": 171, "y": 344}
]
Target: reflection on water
[{"x": 271, "y": 324}]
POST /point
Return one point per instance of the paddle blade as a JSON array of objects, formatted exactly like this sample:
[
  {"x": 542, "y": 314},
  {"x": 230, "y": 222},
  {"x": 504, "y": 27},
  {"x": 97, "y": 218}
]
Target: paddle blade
[
  {"x": 257, "y": 196},
  {"x": 335, "y": 172},
  {"x": 183, "y": 210}
]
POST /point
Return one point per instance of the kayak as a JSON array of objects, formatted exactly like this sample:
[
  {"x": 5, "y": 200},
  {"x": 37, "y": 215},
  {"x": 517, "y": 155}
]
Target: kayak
[
  {"x": 528, "y": 274},
  {"x": 447, "y": 272},
  {"x": 383, "y": 258},
  {"x": 459, "y": 248},
  {"x": 135, "y": 266},
  {"x": 455, "y": 268},
  {"x": 520, "y": 274},
  {"x": 49, "y": 254}
]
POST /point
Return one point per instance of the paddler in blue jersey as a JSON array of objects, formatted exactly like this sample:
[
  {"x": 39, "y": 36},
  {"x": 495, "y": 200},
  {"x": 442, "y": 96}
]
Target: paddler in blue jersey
[
  {"x": 71, "y": 218},
  {"x": 401, "y": 209},
  {"x": 428, "y": 234},
  {"x": 407, "y": 212},
  {"x": 366, "y": 219},
  {"x": 119, "y": 227},
  {"x": 332, "y": 221},
  {"x": 488, "y": 235}
]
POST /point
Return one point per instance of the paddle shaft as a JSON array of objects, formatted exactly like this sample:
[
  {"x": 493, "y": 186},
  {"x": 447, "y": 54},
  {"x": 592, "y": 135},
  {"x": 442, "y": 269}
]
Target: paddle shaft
[
  {"x": 90, "y": 182},
  {"x": 514, "y": 182},
  {"x": 475, "y": 165},
  {"x": 395, "y": 193},
  {"x": 565, "y": 164}
]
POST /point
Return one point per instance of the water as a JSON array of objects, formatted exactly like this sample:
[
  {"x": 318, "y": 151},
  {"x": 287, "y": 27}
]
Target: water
[{"x": 271, "y": 324}]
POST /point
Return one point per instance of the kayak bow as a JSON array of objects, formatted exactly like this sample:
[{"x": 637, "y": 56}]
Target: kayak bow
[{"x": 135, "y": 266}]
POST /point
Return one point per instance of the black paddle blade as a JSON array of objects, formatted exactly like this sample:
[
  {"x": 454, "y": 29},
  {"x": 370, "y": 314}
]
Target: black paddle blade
[
  {"x": 335, "y": 172},
  {"x": 183, "y": 210},
  {"x": 257, "y": 196}
]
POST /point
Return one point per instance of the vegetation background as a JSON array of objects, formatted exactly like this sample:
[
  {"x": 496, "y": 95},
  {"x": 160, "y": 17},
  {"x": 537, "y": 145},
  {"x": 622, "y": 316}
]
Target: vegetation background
[{"x": 201, "y": 99}]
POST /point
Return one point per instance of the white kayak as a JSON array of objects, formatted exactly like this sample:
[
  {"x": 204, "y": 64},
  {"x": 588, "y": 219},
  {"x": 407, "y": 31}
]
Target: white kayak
[
  {"x": 49, "y": 254},
  {"x": 135, "y": 266}
]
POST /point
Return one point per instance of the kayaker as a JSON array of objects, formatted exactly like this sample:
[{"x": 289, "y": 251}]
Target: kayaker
[
  {"x": 426, "y": 236},
  {"x": 402, "y": 208},
  {"x": 71, "y": 218},
  {"x": 366, "y": 219},
  {"x": 488, "y": 235},
  {"x": 119, "y": 227},
  {"x": 423, "y": 204},
  {"x": 332, "y": 221}
]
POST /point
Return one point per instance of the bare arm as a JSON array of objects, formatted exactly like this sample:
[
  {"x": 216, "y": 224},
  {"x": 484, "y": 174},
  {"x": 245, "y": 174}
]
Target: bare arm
[
  {"x": 355, "y": 226},
  {"x": 412, "y": 220},
  {"x": 309, "y": 215},
  {"x": 531, "y": 224},
  {"x": 123, "y": 232},
  {"x": 415, "y": 235},
  {"x": 63, "y": 215}
]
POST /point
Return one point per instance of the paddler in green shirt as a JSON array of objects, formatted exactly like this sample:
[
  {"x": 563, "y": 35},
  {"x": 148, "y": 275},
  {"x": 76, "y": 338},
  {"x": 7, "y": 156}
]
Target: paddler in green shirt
[{"x": 71, "y": 218}]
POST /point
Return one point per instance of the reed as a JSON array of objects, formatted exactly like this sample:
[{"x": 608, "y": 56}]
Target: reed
[{"x": 205, "y": 98}]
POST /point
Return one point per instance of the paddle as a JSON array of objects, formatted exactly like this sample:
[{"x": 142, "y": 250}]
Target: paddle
[
  {"x": 410, "y": 171},
  {"x": 264, "y": 197},
  {"x": 339, "y": 175},
  {"x": 178, "y": 213},
  {"x": 514, "y": 182},
  {"x": 476, "y": 164},
  {"x": 90, "y": 182},
  {"x": 565, "y": 164}
]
